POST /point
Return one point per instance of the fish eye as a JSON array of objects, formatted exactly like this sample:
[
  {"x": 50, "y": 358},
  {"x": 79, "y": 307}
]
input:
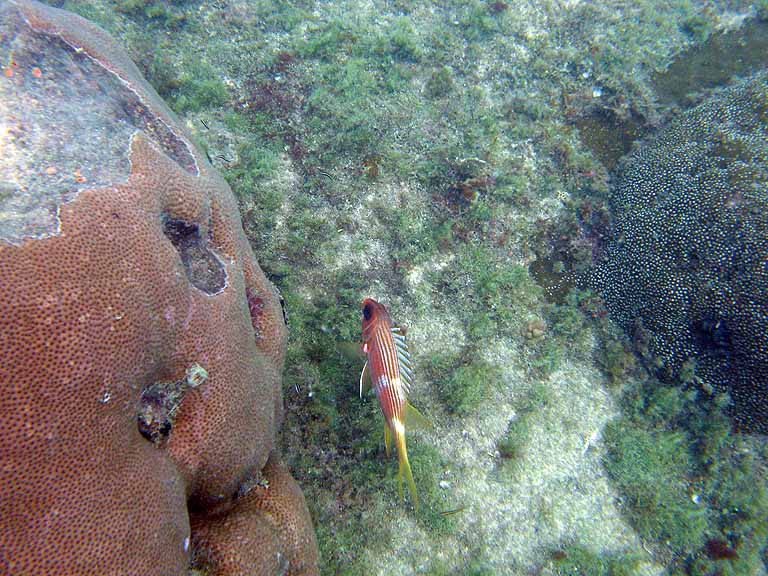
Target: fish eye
[{"x": 367, "y": 311}]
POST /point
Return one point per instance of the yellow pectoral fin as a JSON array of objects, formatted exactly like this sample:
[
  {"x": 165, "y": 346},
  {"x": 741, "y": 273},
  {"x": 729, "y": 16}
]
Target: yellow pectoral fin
[
  {"x": 415, "y": 420},
  {"x": 387, "y": 439}
]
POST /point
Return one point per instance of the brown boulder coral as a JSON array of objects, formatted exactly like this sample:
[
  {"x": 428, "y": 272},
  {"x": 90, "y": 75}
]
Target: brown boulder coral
[{"x": 141, "y": 346}]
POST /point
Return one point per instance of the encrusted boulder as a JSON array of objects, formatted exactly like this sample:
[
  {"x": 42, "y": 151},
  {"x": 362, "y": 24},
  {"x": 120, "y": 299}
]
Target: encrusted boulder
[
  {"x": 687, "y": 267},
  {"x": 141, "y": 346}
]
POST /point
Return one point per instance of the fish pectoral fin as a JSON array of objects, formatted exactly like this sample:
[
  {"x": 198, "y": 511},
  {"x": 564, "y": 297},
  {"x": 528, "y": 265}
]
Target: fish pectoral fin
[
  {"x": 365, "y": 379},
  {"x": 352, "y": 351},
  {"x": 387, "y": 439},
  {"x": 415, "y": 420}
]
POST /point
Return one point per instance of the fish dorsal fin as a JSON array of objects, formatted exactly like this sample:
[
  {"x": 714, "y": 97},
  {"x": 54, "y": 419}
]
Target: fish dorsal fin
[
  {"x": 403, "y": 358},
  {"x": 415, "y": 419},
  {"x": 365, "y": 379}
]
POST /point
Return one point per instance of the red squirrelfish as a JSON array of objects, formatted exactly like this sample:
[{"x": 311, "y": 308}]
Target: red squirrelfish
[{"x": 388, "y": 368}]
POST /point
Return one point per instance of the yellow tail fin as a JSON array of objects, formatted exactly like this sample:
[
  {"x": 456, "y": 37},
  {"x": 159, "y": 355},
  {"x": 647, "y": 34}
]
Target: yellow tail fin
[{"x": 402, "y": 454}]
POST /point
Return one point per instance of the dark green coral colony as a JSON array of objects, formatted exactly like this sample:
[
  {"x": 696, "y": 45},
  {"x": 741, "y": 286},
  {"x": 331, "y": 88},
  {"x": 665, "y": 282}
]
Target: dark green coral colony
[{"x": 688, "y": 261}]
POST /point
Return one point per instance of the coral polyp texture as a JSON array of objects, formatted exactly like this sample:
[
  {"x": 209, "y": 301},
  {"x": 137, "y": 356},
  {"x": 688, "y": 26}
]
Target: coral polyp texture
[
  {"x": 141, "y": 346},
  {"x": 688, "y": 263}
]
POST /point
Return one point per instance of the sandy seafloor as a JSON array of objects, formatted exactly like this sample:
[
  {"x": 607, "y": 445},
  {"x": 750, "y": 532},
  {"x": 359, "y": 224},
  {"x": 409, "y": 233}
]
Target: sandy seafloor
[{"x": 426, "y": 154}]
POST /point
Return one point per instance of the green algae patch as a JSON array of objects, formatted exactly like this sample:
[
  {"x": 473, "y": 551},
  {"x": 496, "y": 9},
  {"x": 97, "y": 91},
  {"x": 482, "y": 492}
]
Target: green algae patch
[
  {"x": 649, "y": 468},
  {"x": 692, "y": 488},
  {"x": 496, "y": 293},
  {"x": 469, "y": 386},
  {"x": 714, "y": 63},
  {"x": 154, "y": 12},
  {"x": 577, "y": 560},
  {"x": 565, "y": 330},
  {"x": 196, "y": 92},
  {"x": 515, "y": 442},
  {"x": 440, "y": 83}
]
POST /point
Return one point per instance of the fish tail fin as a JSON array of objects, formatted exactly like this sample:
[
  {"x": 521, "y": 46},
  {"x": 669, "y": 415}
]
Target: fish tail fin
[{"x": 405, "y": 468}]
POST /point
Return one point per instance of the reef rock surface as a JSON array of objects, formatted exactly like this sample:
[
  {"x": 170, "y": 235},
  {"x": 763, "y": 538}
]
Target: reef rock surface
[{"x": 141, "y": 346}]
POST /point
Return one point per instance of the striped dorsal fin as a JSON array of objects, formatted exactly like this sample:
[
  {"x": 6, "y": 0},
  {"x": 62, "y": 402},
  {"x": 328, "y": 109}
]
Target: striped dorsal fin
[{"x": 404, "y": 361}]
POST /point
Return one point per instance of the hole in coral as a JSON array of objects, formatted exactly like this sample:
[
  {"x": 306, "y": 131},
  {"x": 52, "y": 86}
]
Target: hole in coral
[
  {"x": 159, "y": 403},
  {"x": 204, "y": 269},
  {"x": 714, "y": 335},
  {"x": 161, "y": 400}
]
